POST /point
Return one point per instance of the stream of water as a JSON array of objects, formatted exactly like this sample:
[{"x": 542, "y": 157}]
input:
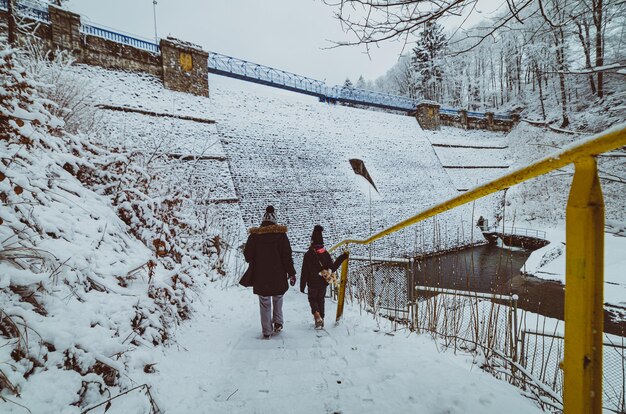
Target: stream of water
[{"x": 492, "y": 269}]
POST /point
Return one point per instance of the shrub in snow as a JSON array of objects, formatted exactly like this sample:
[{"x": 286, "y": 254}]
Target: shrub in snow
[{"x": 79, "y": 288}]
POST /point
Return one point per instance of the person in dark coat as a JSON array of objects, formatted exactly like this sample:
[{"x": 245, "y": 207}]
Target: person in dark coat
[
  {"x": 269, "y": 253},
  {"x": 315, "y": 260}
]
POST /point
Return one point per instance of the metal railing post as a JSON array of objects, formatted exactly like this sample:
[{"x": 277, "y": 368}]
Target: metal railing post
[
  {"x": 342, "y": 289},
  {"x": 584, "y": 311},
  {"x": 410, "y": 283}
]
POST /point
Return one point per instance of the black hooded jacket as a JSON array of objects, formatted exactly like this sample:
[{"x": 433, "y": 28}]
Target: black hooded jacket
[
  {"x": 269, "y": 253},
  {"x": 312, "y": 265}
]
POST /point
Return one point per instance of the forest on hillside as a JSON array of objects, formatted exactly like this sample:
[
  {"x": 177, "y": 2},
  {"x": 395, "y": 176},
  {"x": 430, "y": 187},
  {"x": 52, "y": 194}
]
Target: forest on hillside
[{"x": 557, "y": 61}]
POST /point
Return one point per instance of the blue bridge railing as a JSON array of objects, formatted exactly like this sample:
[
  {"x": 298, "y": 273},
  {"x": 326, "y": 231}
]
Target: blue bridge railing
[
  {"x": 120, "y": 38},
  {"x": 230, "y": 66},
  {"x": 242, "y": 69},
  {"x": 449, "y": 111},
  {"x": 27, "y": 9},
  {"x": 362, "y": 96}
]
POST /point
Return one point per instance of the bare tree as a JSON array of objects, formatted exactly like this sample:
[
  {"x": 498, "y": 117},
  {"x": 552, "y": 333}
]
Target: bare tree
[
  {"x": 374, "y": 21},
  {"x": 12, "y": 23}
]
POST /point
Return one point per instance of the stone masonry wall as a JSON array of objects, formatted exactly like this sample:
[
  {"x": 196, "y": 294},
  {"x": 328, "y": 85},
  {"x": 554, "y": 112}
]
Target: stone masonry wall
[
  {"x": 488, "y": 123},
  {"x": 42, "y": 31},
  {"x": 109, "y": 54},
  {"x": 185, "y": 67},
  {"x": 181, "y": 66}
]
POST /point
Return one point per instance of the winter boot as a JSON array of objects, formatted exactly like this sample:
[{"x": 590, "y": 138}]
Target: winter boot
[
  {"x": 278, "y": 327},
  {"x": 319, "y": 322}
]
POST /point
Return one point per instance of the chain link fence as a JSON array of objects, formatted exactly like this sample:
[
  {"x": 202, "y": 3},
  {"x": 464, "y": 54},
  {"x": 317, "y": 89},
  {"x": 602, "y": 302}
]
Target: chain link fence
[
  {"x": 381, "y": 285},
  {"x": 542, "y": 353},
  {"x": 468, "y": 320},
  {"x": 481, "y": 323}
]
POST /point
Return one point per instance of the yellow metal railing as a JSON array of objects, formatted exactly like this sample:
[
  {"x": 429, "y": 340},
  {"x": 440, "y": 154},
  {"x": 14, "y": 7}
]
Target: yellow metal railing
[{"x": 584, "y": 281}]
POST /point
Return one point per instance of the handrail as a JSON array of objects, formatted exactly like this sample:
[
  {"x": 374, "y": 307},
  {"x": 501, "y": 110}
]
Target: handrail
[
  {"x": 108, "y": 34},
  {"x": 517, "y": 231},
  {"x": 605, "y": 141},
  {"x": 584, "y": 260}
]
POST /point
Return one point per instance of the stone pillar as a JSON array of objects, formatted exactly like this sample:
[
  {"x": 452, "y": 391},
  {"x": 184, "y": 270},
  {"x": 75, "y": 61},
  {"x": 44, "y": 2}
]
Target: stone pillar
[
  {"x": 65, "y": 30},
  {"x": 463, "y": 118},
  {"x": 490, "y": 123},
  {"x": 427, "y": 115},
  {"x": 185, "y": 67}
]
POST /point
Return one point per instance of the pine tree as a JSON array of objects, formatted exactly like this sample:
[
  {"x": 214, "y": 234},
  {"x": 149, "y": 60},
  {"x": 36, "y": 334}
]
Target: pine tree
[
  {"x": 347, "y": 84},
  {"x": 361, "y": 84},
  {"x": 427, "y": 60}
]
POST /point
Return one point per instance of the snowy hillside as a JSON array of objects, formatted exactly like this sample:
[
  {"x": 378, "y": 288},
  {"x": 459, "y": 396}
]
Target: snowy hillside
[
  {"x": 80, "y": 290},
  {"x": 288, "y": 150},
  {"x": 109, "y": 239}
]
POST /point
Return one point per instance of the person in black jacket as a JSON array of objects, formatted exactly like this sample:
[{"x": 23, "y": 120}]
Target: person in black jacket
[
  {"x": 315, "y": 260},
  {"x": 269, "y": 253}
]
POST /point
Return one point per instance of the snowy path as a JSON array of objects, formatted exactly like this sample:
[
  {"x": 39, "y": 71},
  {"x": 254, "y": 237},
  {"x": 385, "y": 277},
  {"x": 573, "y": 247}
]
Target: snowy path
[{"x": 222, "y": 366}]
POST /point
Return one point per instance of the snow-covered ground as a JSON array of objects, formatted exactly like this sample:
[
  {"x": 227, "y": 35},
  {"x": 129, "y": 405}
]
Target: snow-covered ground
[
  {"x": 549, "y": 263},
  {"x": 221, "y": 365},
  {"x": 93, "y": 324},
  {"x": 291, "y": 151}
]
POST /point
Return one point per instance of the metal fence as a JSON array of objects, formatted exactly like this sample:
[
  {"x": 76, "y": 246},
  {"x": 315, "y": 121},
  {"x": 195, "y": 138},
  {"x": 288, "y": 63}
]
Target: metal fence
[
  {"x": 541, "y": 354},
  {"x": 223, "y": 64},
  {"x": 468, "y": 320},
  {"x": 518, "y": 231},
  {"x": 363, "y": 96},
  {"x": 120, "y": 38},
  {"x": 480, "y": 323},
  {"x": 29, "y": 10}
]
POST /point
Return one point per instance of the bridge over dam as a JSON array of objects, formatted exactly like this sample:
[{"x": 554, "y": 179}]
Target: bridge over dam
[
  {"x": 269, "y": 146},
  {"x": 184, "y": 67}
]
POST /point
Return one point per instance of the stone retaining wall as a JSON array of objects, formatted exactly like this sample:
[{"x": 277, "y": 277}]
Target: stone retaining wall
[{"x": 181, "y": 65}]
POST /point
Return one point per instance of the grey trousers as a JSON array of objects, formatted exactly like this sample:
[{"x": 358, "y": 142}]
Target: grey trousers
[{"x": 269, "y": 316}]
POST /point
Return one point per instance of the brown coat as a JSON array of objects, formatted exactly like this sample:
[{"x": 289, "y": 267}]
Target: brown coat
[{"x": 269, "y": 253}]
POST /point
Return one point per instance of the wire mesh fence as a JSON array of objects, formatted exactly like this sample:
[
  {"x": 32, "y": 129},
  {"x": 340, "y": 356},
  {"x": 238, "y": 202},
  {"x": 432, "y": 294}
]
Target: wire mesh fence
[
  {"x": 468, "y": 320},
  {"x": 380, "y": 285},
  {"x": 486, "y": 324},
  {"x": 542, "y": 353}
]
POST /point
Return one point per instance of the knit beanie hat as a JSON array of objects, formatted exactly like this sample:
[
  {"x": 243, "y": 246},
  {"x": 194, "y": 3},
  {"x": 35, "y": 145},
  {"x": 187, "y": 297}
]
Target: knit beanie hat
[
  {"x": 317, "y": 237},
  {"x": 270, "y": 214}
]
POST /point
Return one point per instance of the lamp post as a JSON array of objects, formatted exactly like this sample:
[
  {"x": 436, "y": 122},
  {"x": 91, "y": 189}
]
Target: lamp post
[{"x": 156, "y": 37}]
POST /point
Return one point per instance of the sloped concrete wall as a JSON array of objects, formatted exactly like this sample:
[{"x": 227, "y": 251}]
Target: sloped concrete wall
[{"x": 294, "y": 153}]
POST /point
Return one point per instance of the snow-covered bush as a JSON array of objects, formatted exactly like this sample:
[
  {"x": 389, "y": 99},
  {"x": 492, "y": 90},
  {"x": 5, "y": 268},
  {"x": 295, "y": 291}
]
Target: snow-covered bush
[{"x": 91, "y": 264}]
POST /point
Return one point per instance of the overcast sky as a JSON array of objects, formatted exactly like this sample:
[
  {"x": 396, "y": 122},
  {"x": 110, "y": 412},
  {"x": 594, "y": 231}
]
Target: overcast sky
[{"x": 292, "y": 35}]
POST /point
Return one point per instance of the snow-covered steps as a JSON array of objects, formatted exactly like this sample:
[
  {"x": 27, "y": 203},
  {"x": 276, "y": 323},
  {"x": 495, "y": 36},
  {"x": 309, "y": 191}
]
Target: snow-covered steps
[
  {"x": 471, "y": 157},
  {"x": 290, "y": 151}
]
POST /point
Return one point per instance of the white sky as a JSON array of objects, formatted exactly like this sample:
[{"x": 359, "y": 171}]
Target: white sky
[{"x": 285, "y": 34}]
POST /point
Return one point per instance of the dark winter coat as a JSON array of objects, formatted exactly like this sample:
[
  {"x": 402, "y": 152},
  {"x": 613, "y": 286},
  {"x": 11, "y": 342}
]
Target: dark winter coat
[
  {"x": 312, "y": 265},
  {"x": 269, "y": 253}
]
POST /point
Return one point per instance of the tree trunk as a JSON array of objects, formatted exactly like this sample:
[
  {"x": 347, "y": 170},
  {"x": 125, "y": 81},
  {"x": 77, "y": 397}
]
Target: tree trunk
[
  {"x": 12, "y": 23},
  {"x": 599, "y": 44},
  {"x": 586, "y": 44},
  {"x": 543, "y": 108},
  {"x": 560, "y": 59}
]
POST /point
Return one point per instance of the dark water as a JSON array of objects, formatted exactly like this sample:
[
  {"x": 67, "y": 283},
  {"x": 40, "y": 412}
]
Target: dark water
[
  {"x": 491, "y": 269},
  {"x": 486, "y": 268}
]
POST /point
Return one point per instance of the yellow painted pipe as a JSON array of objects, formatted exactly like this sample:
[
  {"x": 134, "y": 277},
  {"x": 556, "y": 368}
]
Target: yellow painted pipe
[
  {"x": 584, "y": 292},
  {"x": 342, "y": 289},
  {"x": 605, "y": 141}
]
